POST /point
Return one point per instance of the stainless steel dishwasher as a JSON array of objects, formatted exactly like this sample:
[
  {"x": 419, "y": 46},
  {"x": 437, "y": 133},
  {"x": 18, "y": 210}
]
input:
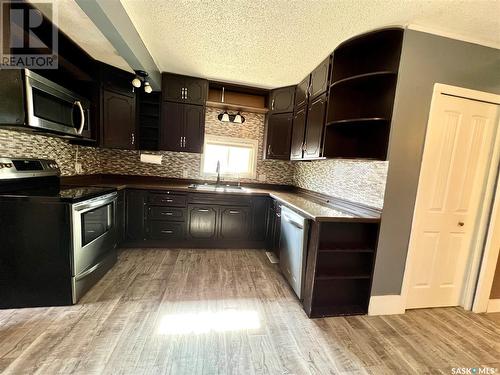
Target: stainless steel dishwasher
[{"x": 293, "y": 248}]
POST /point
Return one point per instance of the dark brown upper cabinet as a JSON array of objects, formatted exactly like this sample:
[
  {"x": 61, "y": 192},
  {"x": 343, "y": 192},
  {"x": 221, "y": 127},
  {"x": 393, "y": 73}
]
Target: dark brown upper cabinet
[
  {"x": 118, "y": 120},
  {"x": 282, "y": 100},
  {"x": 314, "y": 128},
  {"x": 184, "y": 89},
  {"x": 298, "y": 133},
  {"x": 279, "y": 132},
  {"x": 320, "y": 78},
  {"x": 182, "y": 128},
  {"x": 302, "y": 92}
]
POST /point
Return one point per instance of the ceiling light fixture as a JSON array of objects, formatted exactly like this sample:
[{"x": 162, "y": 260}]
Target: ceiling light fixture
[
  {"x": 140, "y": 77},
  {"x": 235, "y": 119}
]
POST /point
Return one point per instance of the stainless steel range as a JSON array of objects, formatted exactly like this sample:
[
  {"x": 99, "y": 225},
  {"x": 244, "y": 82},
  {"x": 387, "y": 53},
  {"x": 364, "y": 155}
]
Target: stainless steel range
[{"x": 56, "y": 241}]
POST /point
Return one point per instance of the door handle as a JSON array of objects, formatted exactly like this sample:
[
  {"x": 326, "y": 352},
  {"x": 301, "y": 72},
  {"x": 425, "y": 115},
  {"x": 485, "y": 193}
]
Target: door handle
[{"x": 82, "y": 116}]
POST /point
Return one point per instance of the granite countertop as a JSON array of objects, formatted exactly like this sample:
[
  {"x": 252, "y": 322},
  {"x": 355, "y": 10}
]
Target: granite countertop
[{"x": 307, "y": 207}]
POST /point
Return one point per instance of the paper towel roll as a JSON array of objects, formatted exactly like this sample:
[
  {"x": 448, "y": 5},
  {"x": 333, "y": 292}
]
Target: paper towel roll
[{"x": 152, "y": 159}]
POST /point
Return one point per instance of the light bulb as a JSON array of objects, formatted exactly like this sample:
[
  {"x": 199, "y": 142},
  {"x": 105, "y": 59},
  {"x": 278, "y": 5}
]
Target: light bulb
[
  {"x": 237, "y": 118},
  {"x": 225, "y": 117},
  {"x": 136, "y": 82},
  {"x": 147, "y": 88}
]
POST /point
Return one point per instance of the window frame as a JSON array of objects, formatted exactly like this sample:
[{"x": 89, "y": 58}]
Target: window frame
[{"x": 235, "y": 142}]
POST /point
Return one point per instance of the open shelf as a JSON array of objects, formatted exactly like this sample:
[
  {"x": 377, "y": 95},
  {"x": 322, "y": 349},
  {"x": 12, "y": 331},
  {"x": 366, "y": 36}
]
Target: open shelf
[
  {"x": 379, "y": 50},
  {"x": 335, "y": 296},
  {"x": 360, "y": 77},
  {"x": 149, "y": 120}
]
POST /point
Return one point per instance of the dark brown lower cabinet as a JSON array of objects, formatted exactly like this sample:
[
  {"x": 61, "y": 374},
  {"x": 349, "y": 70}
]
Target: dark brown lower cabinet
[
  {"x": 134, "y": 205},
  {"x": 202, "y": 222},
  {"x": 274, "y": 228},
  {"x": 234, "y": 223},
  {"x": 340, "y": 262},
  {"x": 120, "y": 217}
]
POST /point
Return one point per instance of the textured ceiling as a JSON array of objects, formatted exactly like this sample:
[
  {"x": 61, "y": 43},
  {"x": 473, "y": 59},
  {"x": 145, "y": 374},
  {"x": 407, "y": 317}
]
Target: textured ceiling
[
  {"x": 74, "y": 22},
  {"x": 276, "y": 43}
]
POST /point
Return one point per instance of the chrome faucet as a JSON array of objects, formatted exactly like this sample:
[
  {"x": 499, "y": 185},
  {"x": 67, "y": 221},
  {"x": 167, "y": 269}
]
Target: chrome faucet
[{"x": 217, "y": 170}]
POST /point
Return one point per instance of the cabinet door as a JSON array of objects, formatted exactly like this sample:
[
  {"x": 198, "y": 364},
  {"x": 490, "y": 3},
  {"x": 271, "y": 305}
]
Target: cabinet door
[
  {"x": 194, "y": 128},
  {"x": 279, "y": 132},
  {"x": 202, "y": 222},
  {"x": 173, "y": 87},
  {"x": 320, "y": 78},
  {"x": 302, "y": 92},
  {"x": 171, "y": 130},
  {"x": 298, "y": 130},
  {"x": 234, "y": 223},
  {"x": 196, "y": 90},
  {"x": 135, "y": 215},
  {"x": 314, "y": 127},
  {"x": 118, "y": 122},
  {"x": 282, "y": 100},
  {"x": 120, "y": 217}
]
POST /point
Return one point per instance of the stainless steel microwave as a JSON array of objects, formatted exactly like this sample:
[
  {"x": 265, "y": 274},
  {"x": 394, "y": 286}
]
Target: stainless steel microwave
[{"x": 54, "y": 108}]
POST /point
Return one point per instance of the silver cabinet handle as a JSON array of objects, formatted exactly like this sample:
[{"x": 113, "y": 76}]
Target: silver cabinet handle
[
  {"x": 166, "y": 213},
  {"x": 180, "y": 141},
  {"x": 82, "y": 116},
  {"x": 202, "y": 210},
  {"x": 167, "y": 231},
  {"x": 272, "y": 105},
  {"x": 269, "y": 149},
  {"x": 168, "y": 200},
  {"x": 133, "y": 138},
  {"x": 233, "y": 212}
]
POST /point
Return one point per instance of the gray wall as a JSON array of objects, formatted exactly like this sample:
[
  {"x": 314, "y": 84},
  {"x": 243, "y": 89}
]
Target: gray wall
[{"x": 426, "y": 59}]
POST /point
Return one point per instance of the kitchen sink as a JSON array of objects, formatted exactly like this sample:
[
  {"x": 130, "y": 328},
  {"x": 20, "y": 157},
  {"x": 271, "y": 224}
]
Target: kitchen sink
[{"x": 215, "y": 187}]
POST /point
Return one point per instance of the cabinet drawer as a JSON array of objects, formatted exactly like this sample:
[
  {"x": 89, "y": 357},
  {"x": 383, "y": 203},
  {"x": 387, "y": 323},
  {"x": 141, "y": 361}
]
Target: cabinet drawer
[
  {"x": 174, "y": 200},
  {"x": 166, "y": 213},
  {"x": 166, "y": 230},
  {"x": 220, "y": 199}
]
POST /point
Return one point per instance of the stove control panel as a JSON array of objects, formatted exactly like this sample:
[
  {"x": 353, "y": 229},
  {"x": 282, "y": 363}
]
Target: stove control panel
[{"x": 11, "y": 168}]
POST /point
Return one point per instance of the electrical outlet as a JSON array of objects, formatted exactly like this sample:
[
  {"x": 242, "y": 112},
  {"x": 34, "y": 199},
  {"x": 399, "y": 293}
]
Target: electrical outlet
[
  {"x": 262, "y": 177},
  {"x": 78, "y": 167},
  {"x": 184, "y": 174}
]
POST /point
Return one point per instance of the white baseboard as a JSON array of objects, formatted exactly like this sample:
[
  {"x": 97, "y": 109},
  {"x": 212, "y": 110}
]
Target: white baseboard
[
  {"x": 386, "y": 305},
  {"x": 493, "y": 305}
]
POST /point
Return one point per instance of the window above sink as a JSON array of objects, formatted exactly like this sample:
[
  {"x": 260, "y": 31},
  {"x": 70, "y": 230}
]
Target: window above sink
[{"x": 237, "y": 157}]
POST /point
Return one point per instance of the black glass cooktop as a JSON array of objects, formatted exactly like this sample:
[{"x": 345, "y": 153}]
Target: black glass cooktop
[{"x": 72, "y": 194}]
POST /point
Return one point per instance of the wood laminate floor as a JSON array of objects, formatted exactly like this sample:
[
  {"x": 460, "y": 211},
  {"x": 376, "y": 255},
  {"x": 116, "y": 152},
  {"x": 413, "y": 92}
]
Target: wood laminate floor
[{"x": 229, "y": 312}]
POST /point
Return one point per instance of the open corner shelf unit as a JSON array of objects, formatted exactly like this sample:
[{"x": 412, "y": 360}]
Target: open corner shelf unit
[
  {"x": 361, "y": 95},
  {"x": 148, "y": 114},
  {"x": 340, "y": 264}
]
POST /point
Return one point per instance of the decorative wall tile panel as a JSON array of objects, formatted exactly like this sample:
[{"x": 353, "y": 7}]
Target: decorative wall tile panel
[
  {"x": 359, "y": 181},
  {"x": 355, "y": 180}
]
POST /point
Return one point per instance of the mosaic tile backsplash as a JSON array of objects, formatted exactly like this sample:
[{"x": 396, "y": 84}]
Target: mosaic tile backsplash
[{"x": 359, "y": 181}]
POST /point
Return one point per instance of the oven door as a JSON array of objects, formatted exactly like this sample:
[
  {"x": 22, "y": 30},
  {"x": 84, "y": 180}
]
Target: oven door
[
  {"x": 52, "y": 107},
  {"x": 94, "y": 231}
]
